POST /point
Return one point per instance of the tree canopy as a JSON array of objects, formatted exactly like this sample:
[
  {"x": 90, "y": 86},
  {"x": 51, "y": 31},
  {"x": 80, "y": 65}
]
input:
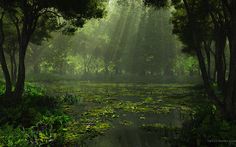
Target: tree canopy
[
  {"x": 34, "y": 16},
  {"x": 200, "y": 24}
]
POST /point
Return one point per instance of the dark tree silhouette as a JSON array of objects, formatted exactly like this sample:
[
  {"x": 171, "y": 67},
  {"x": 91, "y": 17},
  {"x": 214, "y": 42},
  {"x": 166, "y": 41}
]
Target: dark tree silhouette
[
  {"x": 199, "y": 23},
  {"x": 24, "y": 15}
]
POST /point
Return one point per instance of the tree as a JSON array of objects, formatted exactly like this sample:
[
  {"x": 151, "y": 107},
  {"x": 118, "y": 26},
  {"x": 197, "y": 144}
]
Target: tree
[
  {"x": 10, "y": 48},
  {"x": 25, "y": 16},
  {"x": 198, "y": 23}
]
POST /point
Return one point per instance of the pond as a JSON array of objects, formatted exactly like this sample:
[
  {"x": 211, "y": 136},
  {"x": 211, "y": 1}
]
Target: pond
[
  {"x": 130, "y": 134},
  {"x": 138, "y": 115}
]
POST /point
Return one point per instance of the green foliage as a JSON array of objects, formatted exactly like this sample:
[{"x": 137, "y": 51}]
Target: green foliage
[
  {"x": 34, "y": 102},
  {"x": 105, "y": 53},
  {"x": 204, "y": 128},
  {"x": 32, "y": 90},
  {"x": 107, "y": 103},
  {"x": 148, "y": 100},
  {"x": 49, "y": 130},
  {"x": 35, "y": 96},
  {"x": 10, "y": 136},
  {"x": 81, "y": 131},
  {"x": 187, "y": 65},
  {"x": 36, "y": 121},
  {"x": 126, "y": 123},
  {"x": 39, "y": 123},
  {"x": 156, "y": 3}
]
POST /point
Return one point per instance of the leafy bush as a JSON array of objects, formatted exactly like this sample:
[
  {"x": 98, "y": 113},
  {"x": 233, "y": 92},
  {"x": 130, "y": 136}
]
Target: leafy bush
[
  {"x": 13, "y": 137},
  {"x": 34, "y": 102},
  {"x": 49, "y": 130},
  {"x": 206, "y": 128},
  {"x": 36, "y": 121},
  {"x": 32, "y": 90}
]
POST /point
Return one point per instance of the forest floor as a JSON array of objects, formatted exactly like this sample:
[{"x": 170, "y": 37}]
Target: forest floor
[{"x": 125, "y": 115}]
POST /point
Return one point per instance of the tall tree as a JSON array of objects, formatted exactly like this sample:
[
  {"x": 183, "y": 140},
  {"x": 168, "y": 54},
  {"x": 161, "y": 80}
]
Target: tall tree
[
  {"x": 25, "y": 15},
  {"x": 196, "y": 19}
]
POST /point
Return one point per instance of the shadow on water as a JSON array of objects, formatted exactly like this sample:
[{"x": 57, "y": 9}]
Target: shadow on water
[
  {"x": 124, "y": 136},
  {"x": 127, "y": 130}
]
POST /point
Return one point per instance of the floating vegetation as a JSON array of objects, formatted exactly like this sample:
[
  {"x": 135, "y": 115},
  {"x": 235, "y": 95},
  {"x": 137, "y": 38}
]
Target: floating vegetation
[{"x": 104, "y": 106}]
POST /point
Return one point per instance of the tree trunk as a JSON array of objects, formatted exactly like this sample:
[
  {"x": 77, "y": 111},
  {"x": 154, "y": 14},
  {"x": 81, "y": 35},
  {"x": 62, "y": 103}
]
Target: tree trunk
[
  {"x": 208, "y": 56},
  {"x": 230, "y": 102},
  {"x": 220, "y": 43},
  {"x": 5, "y": 70},
  {"x": 24, "y": 34},
  {"x": 13, "y": 67},
  {"x": 206, "y": 78},
  {"x": 19, "y": 89},
  {"x": 6, "y": 73}
]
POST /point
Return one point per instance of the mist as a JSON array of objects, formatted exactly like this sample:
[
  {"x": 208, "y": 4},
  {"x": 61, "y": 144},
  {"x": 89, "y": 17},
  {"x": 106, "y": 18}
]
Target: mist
[
  {"x": 117, "y": 73},
  {"x": 132, "y": 43}
]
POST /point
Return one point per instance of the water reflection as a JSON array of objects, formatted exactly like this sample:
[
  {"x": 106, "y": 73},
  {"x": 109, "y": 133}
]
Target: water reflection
[{"x": 132, "y": 135}]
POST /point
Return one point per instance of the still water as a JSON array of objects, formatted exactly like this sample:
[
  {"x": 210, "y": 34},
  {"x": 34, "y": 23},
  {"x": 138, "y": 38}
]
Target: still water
[
  {"x": 126, "y": 130},
  {"x": 133, "y": 135}
]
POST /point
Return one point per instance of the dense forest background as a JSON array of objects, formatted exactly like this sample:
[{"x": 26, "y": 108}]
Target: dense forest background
[{"x": 132, "y": 43}]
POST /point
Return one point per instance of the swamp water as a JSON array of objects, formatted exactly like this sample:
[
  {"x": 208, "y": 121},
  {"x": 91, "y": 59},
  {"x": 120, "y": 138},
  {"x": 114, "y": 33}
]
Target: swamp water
[
  {"x": 131, "y": 134},
  {"x": 141, "y": 115}
]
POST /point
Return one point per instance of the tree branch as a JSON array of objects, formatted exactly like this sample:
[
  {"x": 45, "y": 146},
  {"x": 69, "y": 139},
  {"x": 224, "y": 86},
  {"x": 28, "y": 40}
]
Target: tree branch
[{"x": 16, "y": 21}]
